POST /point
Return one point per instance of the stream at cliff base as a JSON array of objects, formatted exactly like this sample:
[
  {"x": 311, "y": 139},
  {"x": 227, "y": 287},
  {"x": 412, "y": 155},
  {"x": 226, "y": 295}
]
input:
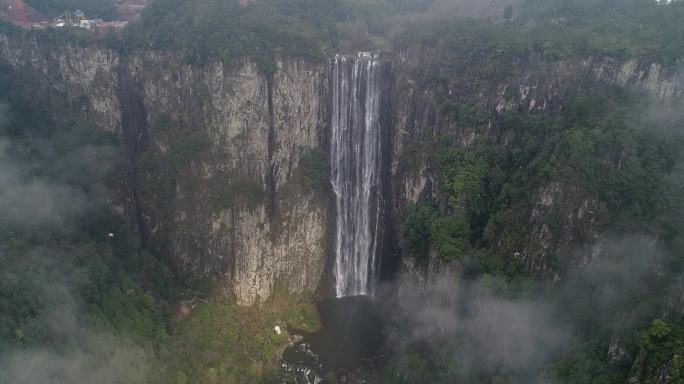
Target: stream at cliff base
[{"x": 349, "y": 342}]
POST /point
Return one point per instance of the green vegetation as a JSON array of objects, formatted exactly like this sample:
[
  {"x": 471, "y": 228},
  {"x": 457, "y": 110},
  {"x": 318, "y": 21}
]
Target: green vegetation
[
  {"x": 412, "y": 367},
  {"x": 208, "y": 29},
  {"x": 653, "y": 347},
  {"x": 223, "y": 342},
  {"x": 635, "y": 28},
  {"x": 415, "y": 229},
  {"x": 607, "y": 151},
  {"x": 423, "y": 228},
  {"x": 472, "y": 178},
  {"x": 93, "y": 9},
  {"x": 607, "y": 145},
  {"x": 508, "y": 12},
  {"x": 559, "y": 29},
  {"x": 201, "y": 30},
  {"x": 300, "y": 316},
  {"x": 228, "y": 190},
  {"x": 463, "y": 112},
  {"x": 603, "y": 145},
  {"x": 8, "y": 29},
  {"x": 305, "y": 28},
  {"x": 589, "y": 364},
  {"x": 205, "y": 30},
  {"x": 450, "y": 236},
  {"x": 314, "y": 169},
  {"x": 659, "y": 345},
  {"x": 78, "y": 290},
  {"x": 115, "y": 303},
  {"x": 188, "y": 147},
  {"x": 70, "y": 292}
]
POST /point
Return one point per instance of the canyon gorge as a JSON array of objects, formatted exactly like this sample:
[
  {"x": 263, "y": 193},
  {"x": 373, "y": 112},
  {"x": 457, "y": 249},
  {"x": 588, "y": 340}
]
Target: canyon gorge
[{"x": 333, "y": 191}]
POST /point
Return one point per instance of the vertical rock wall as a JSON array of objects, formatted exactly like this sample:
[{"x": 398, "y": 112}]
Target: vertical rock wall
[
  {"x": 213, "y": 156},
  {"x": 215, "y": 180},
  {"x": 239, "y": 208},
  {"x": 527, "y": 85}
]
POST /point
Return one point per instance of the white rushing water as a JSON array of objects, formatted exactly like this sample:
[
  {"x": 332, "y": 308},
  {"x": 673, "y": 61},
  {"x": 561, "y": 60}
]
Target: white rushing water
[{"x": 355, "y": 156}]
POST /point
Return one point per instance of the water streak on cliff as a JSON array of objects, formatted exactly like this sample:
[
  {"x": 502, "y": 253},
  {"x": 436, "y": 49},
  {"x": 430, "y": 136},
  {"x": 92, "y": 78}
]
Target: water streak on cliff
[{"x": 355, "y": 157}]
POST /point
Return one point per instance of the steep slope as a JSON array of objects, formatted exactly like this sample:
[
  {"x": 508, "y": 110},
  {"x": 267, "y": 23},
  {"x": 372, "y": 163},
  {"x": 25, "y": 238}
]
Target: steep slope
[
  {"x": 215, "y": 180},
  {"x": 213, "y": 156},
  {"x": 466, "y": 105}
]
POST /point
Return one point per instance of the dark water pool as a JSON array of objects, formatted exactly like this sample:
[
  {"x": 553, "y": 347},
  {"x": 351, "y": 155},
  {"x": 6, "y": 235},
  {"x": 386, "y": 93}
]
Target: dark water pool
[{"x": 350, "y": 338}]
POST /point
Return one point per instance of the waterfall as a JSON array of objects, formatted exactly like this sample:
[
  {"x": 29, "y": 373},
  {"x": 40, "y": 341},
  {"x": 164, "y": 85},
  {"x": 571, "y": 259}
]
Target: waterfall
[{"x": 355, "y": 157}]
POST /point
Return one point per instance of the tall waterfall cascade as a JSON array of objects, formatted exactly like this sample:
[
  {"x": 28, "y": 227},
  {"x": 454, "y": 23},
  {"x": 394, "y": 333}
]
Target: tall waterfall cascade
[{"x": 355, "y": 161}]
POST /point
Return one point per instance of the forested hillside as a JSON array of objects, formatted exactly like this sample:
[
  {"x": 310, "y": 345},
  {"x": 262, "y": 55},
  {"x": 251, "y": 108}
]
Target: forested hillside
[
  {"x": 167, "y": 192},
  {"x": 79, "y": 296}
]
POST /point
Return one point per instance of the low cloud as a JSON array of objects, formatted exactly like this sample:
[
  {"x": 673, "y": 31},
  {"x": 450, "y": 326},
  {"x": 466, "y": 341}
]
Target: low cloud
[
  {"x": 27, "y": 201},
  {"x": 48, "y": 335},
  {"x": 108, "y": 361},
  {"x": 518, "y": 337},
  {"x": 493, "y": 334},
  {"x": 57, "y": 344}
]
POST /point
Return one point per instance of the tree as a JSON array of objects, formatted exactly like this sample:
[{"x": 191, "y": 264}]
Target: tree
[
  {"x": 416, "y": 231},
  {"x": 508, "y": 12},
  {"x": 450, "y": 236}
]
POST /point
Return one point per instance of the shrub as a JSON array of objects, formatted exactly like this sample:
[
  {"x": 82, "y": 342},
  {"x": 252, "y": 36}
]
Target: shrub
[
  {"x": 186, "y": 148},
  {"x": 314, "y": 169},
  {"x": 416, "y": 229},
  {"x": 450, "y": 236}
]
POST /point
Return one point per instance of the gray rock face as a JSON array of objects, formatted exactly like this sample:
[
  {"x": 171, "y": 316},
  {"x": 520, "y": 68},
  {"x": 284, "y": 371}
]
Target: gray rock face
[
  {"x": 214, "y": 151},
  {"x": 528, "y": 85},
  {"x": 82, "y": 79},
  {"x": 240, "y": 211},
  {"x": 224, "y": 197}
]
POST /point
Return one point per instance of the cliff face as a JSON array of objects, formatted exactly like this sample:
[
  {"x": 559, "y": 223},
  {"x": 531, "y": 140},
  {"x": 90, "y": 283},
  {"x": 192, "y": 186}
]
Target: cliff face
[
  {"x": 581, "y": 234},
  {"x": 73, "y": 80},
  {"x": 213, "y": 156},
  {"x": 525, "y": 86},
  {"x": 215, "y": 180},
  {"x": 235, "y": 206}
]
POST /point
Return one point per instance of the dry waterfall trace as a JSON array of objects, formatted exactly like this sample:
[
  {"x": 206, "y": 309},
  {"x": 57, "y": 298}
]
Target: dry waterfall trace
[{"x": 355, "y": 171}]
